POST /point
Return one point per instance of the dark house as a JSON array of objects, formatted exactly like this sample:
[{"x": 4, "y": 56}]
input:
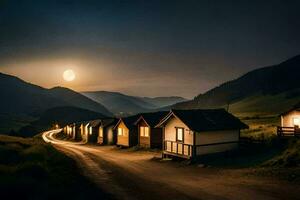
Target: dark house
[
  {"x": 150, "y": 136},
  {"x": 107, "y": 134},
  {"x": 127, "y": 133}
]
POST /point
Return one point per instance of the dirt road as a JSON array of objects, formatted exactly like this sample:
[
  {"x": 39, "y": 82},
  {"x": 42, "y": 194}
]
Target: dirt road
[{"x": 135, "y": 175}]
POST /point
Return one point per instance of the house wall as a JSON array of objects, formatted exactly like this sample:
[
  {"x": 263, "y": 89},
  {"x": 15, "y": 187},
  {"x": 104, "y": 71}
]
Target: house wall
[
  {"x": 211, "y": 137},
  {"x": 156, "y": 138},
  {"x": 110, "y": 133},
  {"x": 124, "y": 139},
  {"x": 143, "y": 141},
  {"x": 288, "y": 119},
  {"x": 170, "y": 131},
  {"x": 170, "y": 135}
]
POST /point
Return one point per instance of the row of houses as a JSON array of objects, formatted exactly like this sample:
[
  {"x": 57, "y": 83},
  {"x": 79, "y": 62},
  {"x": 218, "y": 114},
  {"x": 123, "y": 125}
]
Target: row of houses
[{"x": 181, "y": 133}]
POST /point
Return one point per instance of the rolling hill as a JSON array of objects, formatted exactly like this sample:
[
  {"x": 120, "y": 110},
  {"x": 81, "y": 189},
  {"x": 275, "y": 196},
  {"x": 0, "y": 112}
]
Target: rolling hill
[
  {"x": 58, "y": 115},
  {"x": 22, "y": 102},
  {"x": 123, "y": 105},
  {"x": 265, "y": 91}
]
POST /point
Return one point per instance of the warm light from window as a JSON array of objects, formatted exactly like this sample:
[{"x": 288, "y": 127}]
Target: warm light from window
[
  {"x": 120, "y": 131},
  {"x": 296, "y": 121}
]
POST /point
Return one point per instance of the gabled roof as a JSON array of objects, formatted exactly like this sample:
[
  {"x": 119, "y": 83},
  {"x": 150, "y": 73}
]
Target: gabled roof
[
  {"x": 95, "y": 123},
  {"x": 128, "y": 121},
  {"x": 205, "y": 119},
  {"x": 108, "y": 122},
  {"x": 152, "y": 119},
  {"x": 296, "y": 107}
]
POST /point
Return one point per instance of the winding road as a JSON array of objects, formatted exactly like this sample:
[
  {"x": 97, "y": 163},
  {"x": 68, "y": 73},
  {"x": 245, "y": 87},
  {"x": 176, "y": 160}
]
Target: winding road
[{"x": 129, "y": 174}]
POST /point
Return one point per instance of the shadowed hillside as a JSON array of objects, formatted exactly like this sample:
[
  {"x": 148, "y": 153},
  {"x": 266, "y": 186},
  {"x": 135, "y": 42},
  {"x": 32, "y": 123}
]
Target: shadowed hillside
[
  {"x": 22, "y": 102},
  {"x": 268, "y": 90},
  {"x": 59, "y": 115}
]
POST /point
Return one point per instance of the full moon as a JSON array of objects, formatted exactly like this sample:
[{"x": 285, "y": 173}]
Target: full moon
[{"x": 69, "y": 75}]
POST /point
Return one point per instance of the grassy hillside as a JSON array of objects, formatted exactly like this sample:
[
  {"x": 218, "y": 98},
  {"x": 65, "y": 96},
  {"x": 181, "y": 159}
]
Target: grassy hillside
[
  {"x": 59, "y": 115},
  {"x": 21, "y": 102},
  {"x": 265, "y": 91},
  {"x": 31, "y": 169}
]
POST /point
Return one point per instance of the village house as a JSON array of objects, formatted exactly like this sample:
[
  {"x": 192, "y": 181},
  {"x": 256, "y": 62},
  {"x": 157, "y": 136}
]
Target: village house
[
  {"x": 290, "y": 122},
  {"x": 150, "y": 136},
  {"x": 107, "y": 134},
  {"x": 77, "y": 131},
  {"x": 84, "y": 130},
  {"x": 127, "y": 133},
  {"x": 93, "y": 131},
  {"x": 192, "y": 133}
]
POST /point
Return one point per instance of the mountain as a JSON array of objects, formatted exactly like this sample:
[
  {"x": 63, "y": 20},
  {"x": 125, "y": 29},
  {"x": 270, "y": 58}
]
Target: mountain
[
  {"x": 21, "y": 101},
  {"x": 121, "y": 104},
  {"x": 163, "y": 101},
  {"x": 58, "y": 115},
  {"x": 268, "y": 90}
]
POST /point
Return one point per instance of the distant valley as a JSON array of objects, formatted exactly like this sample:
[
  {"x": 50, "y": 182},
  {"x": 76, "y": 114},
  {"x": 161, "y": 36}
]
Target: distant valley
[{"x": 123, "y": 105}]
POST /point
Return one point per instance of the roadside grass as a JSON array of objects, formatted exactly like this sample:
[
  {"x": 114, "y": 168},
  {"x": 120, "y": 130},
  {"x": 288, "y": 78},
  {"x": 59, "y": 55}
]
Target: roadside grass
[{"x": 30, "y": 169}]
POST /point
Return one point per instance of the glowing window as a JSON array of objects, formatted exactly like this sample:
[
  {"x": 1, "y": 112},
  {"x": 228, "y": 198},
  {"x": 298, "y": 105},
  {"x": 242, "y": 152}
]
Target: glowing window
[
  {"x": 179, "y": 134},
  {"x": 91, "y": 130},
  {"x": 296, "y": 121},
  {"x": 120, "y": 131},
  {"x": 144, "y": 131},
  {"x": 101, "y": 132}
]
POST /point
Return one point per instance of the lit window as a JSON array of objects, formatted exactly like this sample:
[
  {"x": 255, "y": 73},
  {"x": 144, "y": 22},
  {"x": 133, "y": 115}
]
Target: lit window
[
  {"x": 296, "y": 121},
  {"x": 179, "y": 134},
  {"x": 144, "y": 131},
  {"x": 91, "y": 130},
  {"x": 120, "y": 131},
  {"x": 100, "y": 132}
]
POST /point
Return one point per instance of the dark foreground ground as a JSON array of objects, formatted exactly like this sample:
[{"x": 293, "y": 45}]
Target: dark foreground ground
[
  {"x": 31, "y": 169},
  {"x": 127, "y": 174}
]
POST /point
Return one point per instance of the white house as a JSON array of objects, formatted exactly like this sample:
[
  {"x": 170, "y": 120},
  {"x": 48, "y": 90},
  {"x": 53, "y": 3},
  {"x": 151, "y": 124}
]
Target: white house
[{"x": 192, "y": 133}]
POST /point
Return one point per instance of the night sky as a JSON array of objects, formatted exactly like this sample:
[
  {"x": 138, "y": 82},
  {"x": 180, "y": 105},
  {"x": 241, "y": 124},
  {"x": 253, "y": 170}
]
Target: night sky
[{"x": 145, "y": 48}]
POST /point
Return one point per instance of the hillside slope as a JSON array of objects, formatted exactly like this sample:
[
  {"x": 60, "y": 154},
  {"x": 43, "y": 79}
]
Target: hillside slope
[
  {"x": 58, "y": 115},
  {"x": 21, "y": 102},
  {"x": 256, "y": 91},
  {"x": 122, "y": 105}
]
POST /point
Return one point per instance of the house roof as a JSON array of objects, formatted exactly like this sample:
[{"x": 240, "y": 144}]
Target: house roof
[
  {"x": 108, "y": 122},
  {"x": 296, "y": 107},
  {"x": 206, "y": 119},
  {"x": 95, "y": 123},
  {"x": 128, "y": 121},
  {"x": 152, "y": 119}
]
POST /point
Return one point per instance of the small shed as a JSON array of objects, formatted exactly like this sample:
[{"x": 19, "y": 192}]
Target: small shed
[
  {"x": 290, "y": 122},
  {"x": 107, "y": 134},
  {"x": 192, "y": 133},
  {"x": 150, "y": 136},
  {"x": 93, "y": 131},
  {"x": 127, "y": 133}
]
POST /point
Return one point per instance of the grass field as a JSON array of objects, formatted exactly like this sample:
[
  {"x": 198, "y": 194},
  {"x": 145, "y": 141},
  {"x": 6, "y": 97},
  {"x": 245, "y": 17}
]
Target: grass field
[{"x": 30, "y": 169}]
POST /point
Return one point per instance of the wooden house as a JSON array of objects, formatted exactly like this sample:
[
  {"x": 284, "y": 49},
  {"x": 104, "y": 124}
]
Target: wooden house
[
  {"x": 290, "y": 122},
  {"x": 77, "y": 131},
  {"x": 150, "y": 136},
  {"x": 84, "y": 129},
  {"x": 93, "y": 131},
  {"x": 192, "y": 133},
  {"x": 107, "y": 134},
  {"x": 127, "y": 133}
]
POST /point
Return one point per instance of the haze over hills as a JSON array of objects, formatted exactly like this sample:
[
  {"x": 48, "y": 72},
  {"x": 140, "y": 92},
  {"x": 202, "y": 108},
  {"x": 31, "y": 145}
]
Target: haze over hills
[
  {"x": 22, "y": 102},
  {"x": 121, "y": 104},
  {"x": 268, "y": 90}
]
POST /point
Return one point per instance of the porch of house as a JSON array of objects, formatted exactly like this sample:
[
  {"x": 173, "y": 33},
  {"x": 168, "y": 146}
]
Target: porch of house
[
  {"x": 178, "y": 149},
  {"x": 286, "y": 131}
]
